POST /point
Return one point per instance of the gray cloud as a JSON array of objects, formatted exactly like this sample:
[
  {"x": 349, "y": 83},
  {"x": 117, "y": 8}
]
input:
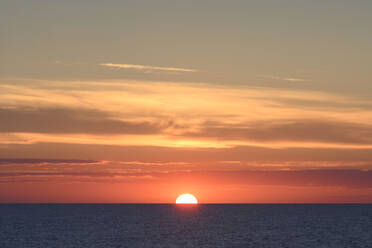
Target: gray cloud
[
  {"x": 291, "y": 130},
  {"x": 302, "y": 178},
  {"x": 165, "y": 154},
  {"x": 42, "y": 161},
  {"x": 71, "y": 121},
  {"x": 299, "y": 178}
]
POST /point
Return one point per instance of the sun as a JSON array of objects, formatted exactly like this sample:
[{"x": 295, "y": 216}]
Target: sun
[{"x": 186, "y": 199}]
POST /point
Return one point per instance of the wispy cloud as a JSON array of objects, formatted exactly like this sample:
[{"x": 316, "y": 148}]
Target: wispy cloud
[
  {"x": 53, "y": 171},
  {"x": 288, "y": 79},
  {"x": 43, "y": 161},
  {"x": 147, "y": 68}
]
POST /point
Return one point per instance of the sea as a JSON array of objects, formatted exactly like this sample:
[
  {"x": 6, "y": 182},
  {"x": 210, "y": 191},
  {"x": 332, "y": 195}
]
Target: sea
[{"x": 170, "y": 225}]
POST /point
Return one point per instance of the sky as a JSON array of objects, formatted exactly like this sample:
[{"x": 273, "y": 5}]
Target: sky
[{"x": 260, "y": 101}]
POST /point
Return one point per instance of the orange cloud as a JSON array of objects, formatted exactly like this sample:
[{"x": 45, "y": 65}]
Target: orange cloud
[{"x": 137, "y": 113}]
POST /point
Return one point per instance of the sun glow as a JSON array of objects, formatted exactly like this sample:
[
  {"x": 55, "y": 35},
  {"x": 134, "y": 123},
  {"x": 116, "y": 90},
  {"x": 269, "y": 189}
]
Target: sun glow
[{"x": 186, "y": 199}]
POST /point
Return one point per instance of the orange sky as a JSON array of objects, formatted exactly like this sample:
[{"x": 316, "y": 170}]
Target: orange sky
[
  {"x": 119, "y": 141},
  {"x": 235, "y": 101},
  {"x": 35, "y": 180}
]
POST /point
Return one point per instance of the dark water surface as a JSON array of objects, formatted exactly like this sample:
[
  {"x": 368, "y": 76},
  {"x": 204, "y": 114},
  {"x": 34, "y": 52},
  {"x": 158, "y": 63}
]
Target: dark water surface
[{"x": 158, "y": 225}]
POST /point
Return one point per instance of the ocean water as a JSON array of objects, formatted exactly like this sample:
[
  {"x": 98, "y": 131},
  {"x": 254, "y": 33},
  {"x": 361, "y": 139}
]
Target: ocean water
[{"x": 167, "y": 225}]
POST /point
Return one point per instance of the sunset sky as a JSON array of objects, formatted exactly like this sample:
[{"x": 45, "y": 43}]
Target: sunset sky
[{"x": 239, "y": 101}]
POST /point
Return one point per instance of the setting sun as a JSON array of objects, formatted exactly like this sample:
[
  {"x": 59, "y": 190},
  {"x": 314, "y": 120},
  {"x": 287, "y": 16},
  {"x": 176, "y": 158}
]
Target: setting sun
[{"x": 186, "y": 199}]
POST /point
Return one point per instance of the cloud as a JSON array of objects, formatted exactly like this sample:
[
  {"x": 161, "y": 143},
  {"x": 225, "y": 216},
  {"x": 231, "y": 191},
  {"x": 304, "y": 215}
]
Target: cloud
[
  {"x": 296, "y": 130},
  {"x": 288, "y": 79},
  {"x": 70, "y": 121},
  {"x": 350, "y": 178},
  {"x": 41, "y": 178},
  {"x": 294, "y": 79},
  {"x": 43, "y": 161},
  {"x": 147, "y": 68},
  {"x": 300, "y": 178},
  {"x": 166, "y": 114},
  {"x": 194, "y": 155}
]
